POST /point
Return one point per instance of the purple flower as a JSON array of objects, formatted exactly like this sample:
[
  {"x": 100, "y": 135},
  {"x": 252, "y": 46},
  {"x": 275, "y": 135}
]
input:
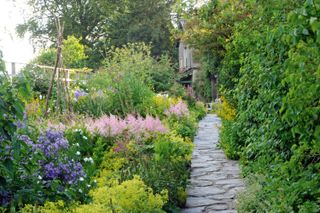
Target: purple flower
[
  {"x": 51, "y": 171},
  {"x": 51, "y": 143},
  {"x": 26, "y": 139},
  {"x": 68, "y": 173},
  {"x": 100, "y": 93},
  {"x": 5, "y": 197},
  {"x": 79, "y": 93},
  {"x": 20, "y": 124}
]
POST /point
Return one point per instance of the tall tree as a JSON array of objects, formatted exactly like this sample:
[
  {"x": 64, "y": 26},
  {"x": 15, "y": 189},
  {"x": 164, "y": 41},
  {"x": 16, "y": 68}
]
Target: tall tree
[
  {"x": 84, "y": 19},
  {"x": 101, "y": 24},
  {"x": 146, "y": 21}
]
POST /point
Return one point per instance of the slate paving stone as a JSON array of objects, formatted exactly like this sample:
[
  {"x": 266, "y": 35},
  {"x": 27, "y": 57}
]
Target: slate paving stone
[
  {"x": 199, "y": 201},
  {"x": 199, "y": 191},
  {"x": 215, "y": 180}
]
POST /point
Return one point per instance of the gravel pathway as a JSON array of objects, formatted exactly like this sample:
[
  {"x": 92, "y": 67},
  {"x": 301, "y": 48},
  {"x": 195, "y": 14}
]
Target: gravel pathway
[{"x": 215, "y": 180}]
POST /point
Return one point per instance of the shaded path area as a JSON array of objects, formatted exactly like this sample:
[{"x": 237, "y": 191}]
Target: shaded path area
[{"x": 215, "y": 180}]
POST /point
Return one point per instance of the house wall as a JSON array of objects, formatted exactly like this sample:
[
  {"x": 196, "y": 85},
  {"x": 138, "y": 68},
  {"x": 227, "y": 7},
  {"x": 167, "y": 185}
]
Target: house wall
[{"x": 186, "y": 60}]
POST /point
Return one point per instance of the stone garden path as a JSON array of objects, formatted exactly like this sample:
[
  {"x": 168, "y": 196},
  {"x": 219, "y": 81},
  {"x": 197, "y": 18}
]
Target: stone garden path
[{"x": 215, "y": 180}]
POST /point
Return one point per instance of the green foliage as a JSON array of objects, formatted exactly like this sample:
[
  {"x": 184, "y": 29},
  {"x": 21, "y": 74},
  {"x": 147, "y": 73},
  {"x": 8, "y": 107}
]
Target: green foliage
[
  {"x": 271, "y": 77},
  {"x": 73, "y": 53},
  {"x": 39, "y": 79},
  {"x": 93, "y": 105},
  {"x": 2, "y": 64},
  {"x": 73, "y": 56},
  {"x": 17, "y": 183},
  {"x": 198, "y": 110},
  {"x": 184, "y": 126},
  {"x": 162, "y": 75},
  {"x": 202, "y": 85},
  {"x": 102, "y": 24},
  {"x": 162, "y": 165},
  {"x": 46, "y": 57},
  {"x": 130, "y": 196},
  {"x": 127, "y": 83},
  {"x": 177, "y": 90},
  {"x": 135, "y": 27}
]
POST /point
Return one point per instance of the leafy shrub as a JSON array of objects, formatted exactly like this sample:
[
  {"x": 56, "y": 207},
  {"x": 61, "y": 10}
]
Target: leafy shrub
[
  {"x": 162, "y": 75},
  {"x": 60, "y": 171},
  {"x": 162, "y": 164},
  {"x": 199, "y": 110},
  {"x": 92, "y": 104},
  {"x": 18, "y": 163},
  {"x": 48, "y": 207},
  {"x": 125, "y": 83},
  {"x": 184, "y": 126},
  {"x": 271, "y": 79},
  {"x": 130, "y": 196}
]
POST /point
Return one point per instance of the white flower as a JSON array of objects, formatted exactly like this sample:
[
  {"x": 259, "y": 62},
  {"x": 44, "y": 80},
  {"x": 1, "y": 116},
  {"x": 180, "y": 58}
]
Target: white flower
[
  {"x": 81, "y": 179},
  {"x": 88, "y": 185},
  {"x": 77, "y": 144},
  {"x": 80, "y": 190},
  {"x": 88, "y": 159},
  {"x": 95, "y": 181},
  {"x": 84, "y": 137},
  {"x": 78, "y": 153},
  {"x": 39, "y": 177}
]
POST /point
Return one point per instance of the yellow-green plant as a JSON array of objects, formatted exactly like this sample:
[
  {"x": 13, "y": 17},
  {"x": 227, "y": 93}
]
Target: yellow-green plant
[{"x": 130, "y": 196}]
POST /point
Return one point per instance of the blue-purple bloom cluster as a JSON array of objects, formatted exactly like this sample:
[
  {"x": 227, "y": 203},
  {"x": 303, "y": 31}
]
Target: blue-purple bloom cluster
[
  {"x": 21, "y": 124},
  {"x": 79, "y": 93},
  {"x": 68, "y": 173},
  {"x": 26, "y": 139},
  {"x": 51, "y": 143}
]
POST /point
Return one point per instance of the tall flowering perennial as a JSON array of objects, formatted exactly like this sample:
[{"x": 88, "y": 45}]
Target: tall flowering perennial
[
  {"x": 180, "y": 109},
  {"x": 52, "y": 144},
  {"x": 111, "y": 126}
]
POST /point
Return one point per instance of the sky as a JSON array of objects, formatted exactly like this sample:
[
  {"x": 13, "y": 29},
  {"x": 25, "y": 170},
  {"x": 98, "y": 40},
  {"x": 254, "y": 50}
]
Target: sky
[{"x": 14, "y": 49}]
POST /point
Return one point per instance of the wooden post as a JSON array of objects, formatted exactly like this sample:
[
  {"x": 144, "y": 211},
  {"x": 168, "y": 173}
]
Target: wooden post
[
  {"x": 13, "y": 68},
  {"x": 57, "y": 63}
]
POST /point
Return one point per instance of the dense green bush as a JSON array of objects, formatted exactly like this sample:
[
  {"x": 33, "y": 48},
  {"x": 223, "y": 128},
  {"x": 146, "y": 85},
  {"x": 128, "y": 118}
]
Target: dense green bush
[
  {"x": 163, "y": 165},
  {"x": 270, "y": 77}
]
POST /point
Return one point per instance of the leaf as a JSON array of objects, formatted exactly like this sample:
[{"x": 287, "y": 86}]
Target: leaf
[{"x": 8, "y": 164}]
